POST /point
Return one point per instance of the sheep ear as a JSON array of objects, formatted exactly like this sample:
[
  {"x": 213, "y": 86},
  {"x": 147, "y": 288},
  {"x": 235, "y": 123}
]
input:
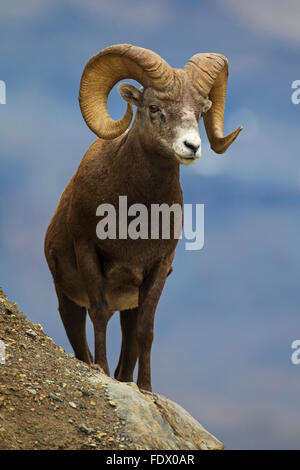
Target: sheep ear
[
  {"x": 206, "y": 106},
  {"x": 130, "y": 94}
]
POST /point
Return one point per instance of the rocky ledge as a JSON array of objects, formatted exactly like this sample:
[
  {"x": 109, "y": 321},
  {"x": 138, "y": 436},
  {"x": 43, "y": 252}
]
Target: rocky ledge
[{"x": 50, "y": 400}]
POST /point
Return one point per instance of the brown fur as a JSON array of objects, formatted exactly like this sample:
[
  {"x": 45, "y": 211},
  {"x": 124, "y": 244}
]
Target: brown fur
[{"x": 126, "y": 275}]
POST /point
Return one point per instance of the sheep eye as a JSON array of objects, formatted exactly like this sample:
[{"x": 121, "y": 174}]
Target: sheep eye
[{"x": 153, "y": 108}]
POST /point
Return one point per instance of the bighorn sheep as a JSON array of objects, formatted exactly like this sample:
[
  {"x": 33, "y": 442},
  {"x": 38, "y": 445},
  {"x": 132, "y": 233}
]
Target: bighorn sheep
[{"x": 128, "y": 275}]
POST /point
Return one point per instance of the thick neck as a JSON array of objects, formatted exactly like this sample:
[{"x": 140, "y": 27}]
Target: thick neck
[{"x": 151, "y": 168}]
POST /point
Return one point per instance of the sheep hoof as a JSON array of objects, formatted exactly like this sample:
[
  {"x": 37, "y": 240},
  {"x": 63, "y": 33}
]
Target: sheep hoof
[{"x": 97, "y": 368}]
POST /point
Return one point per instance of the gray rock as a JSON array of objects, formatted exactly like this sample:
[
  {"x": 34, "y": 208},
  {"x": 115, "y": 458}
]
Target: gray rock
[
  {"x": 153, "y": 422},
  {"x": 54, "y": 397},
  {"x": 31, "y": 333},
  {"x": 85, "y": 429}
]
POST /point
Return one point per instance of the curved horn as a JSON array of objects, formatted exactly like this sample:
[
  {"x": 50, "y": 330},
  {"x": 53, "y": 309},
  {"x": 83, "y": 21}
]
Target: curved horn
[
  {"x": 108, "y": 67},
  {"x": 209, "y": 73}
]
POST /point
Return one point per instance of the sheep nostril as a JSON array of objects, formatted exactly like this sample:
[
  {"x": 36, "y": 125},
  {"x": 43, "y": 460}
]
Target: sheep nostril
[{"x": 192, "y": 147}]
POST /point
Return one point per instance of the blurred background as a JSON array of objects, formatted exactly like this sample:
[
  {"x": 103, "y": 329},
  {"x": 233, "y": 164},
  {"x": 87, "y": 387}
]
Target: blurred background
[{"x": 228, "y": 313}]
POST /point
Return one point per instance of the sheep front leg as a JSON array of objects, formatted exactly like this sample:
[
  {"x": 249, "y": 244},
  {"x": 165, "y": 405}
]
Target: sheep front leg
[
  {"x": 100, "y": 315},
  {"x": 89, "y": 267},
  {"x": 150, "y": 293},
  {"x": 129, "y": 350}
]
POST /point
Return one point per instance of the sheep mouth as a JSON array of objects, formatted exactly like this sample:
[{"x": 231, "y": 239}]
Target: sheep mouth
[{"x": 187, "y": 160}]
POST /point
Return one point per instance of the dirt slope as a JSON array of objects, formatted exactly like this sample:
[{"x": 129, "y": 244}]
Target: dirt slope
[{"x": 50, "y": 400}]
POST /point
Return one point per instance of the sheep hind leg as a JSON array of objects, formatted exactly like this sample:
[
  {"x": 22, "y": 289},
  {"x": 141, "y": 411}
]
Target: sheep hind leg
[
  {"x": 89, "y": 267},
  {"x": 74, "y": 317},
  {"x": 129, "y": 350}
]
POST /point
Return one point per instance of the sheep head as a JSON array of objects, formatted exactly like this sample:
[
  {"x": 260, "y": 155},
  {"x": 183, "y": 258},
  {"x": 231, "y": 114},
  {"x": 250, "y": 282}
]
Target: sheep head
[{"x": 170, "y": 104}]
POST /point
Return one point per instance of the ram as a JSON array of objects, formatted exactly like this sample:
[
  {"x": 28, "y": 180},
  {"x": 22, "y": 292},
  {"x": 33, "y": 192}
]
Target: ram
[{"x": 142, "y": 163}]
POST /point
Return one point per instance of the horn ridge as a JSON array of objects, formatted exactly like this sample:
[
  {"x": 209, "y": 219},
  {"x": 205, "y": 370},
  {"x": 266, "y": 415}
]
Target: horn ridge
[
  {"x": 104, "y": 70},
  {"x": 209, "y": 73}
]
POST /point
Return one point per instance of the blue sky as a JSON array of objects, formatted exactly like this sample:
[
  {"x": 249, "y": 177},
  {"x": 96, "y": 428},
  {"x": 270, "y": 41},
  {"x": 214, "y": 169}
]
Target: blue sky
[{"x": 229, "y": 313}]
